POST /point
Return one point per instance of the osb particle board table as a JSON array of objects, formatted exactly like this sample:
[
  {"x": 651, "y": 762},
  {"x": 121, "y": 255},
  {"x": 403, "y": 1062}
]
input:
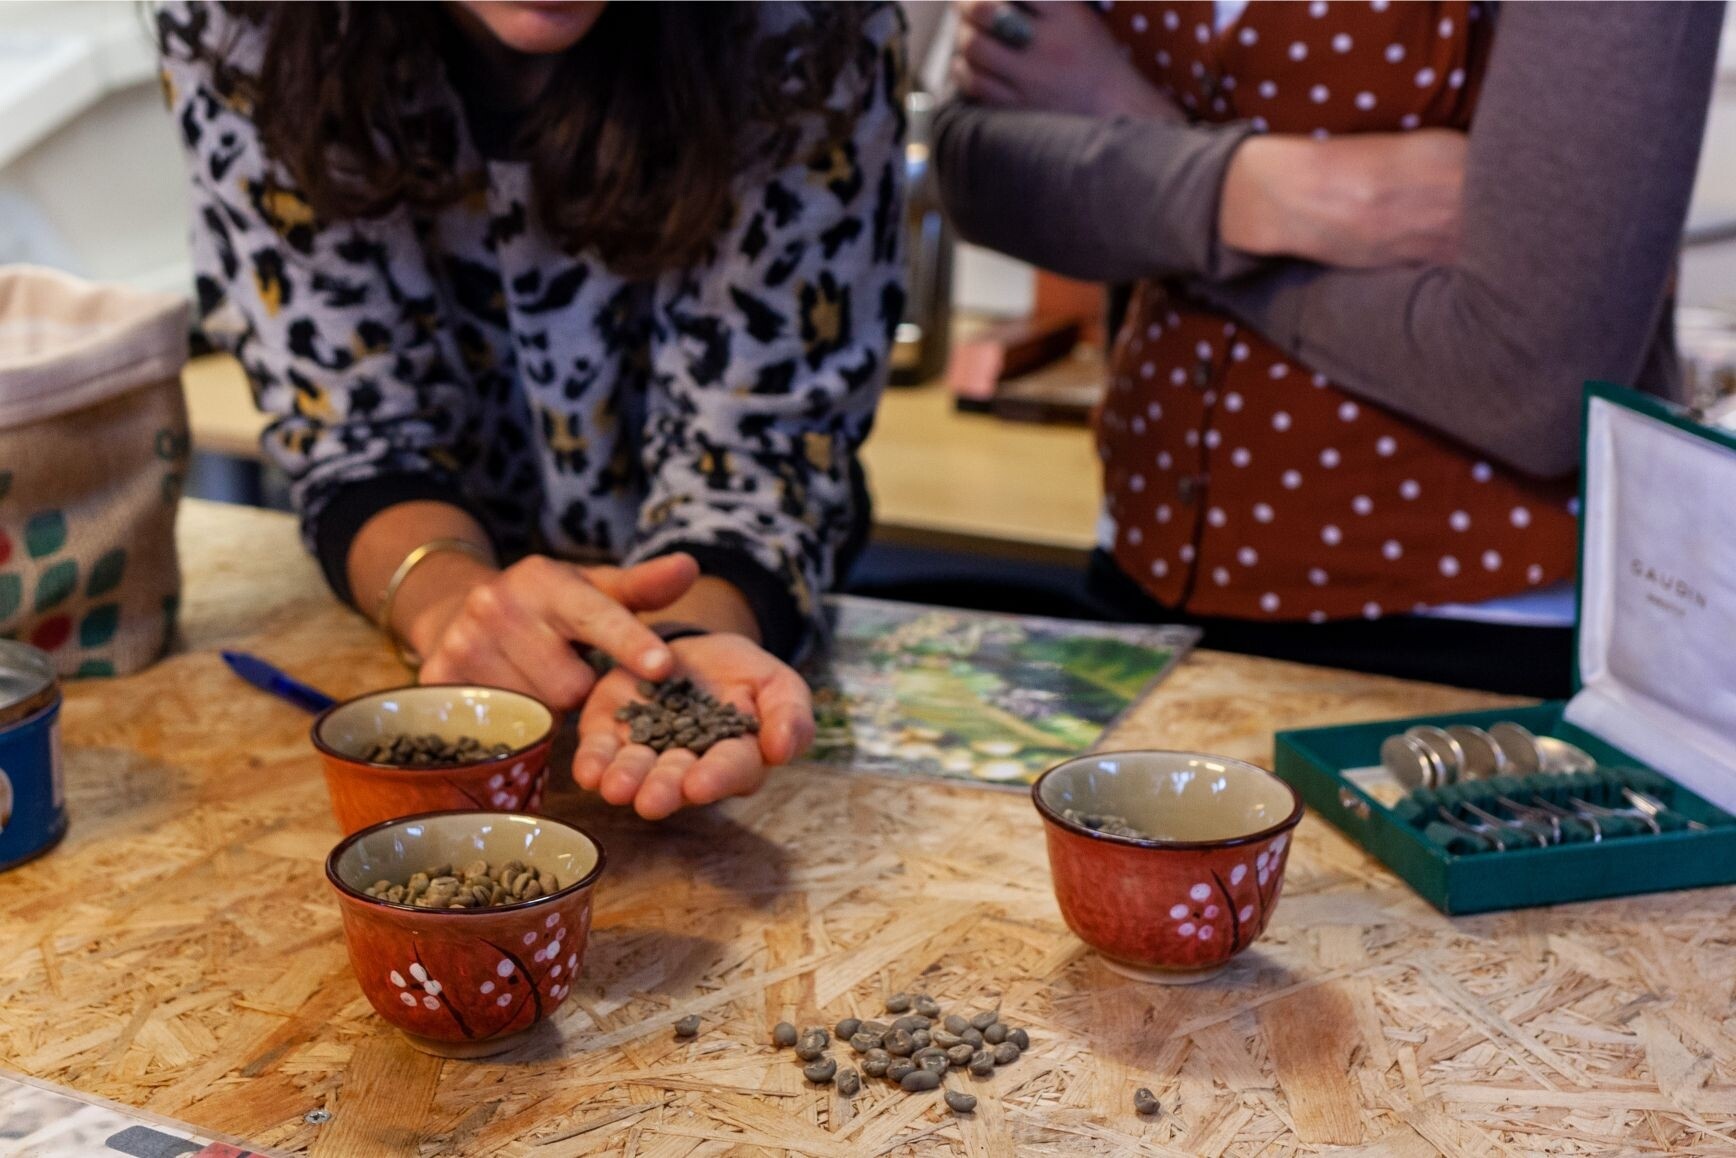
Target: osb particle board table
[{"x": 179, "y": 952}]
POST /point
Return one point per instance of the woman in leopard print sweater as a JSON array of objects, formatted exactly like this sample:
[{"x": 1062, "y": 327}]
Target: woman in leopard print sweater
[{"x": 571, "y": 318}]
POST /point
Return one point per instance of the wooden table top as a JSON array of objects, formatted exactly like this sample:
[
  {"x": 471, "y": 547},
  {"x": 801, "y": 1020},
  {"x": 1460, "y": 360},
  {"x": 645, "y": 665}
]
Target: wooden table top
[
  {"x": 179, "y": 951},
  {"x": 940, "y": 478}
]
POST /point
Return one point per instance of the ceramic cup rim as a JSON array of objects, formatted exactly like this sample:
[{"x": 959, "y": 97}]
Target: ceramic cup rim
[
  {"x": 1149, "y": 842},
  {"x": 344, "y": 889},
  {"x": 380, "y": 766}
]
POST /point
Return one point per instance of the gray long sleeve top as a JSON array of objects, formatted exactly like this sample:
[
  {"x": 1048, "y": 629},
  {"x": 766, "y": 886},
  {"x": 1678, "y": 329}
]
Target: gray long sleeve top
[{"x": 1581, "y": 159}]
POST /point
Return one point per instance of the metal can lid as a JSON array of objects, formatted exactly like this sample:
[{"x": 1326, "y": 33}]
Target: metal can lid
[{"x": 27, "y": 681}]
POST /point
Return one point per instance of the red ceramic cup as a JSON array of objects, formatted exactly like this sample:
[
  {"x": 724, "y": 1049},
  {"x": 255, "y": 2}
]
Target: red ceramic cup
[
  {"x": 1174, "y": 907},
  {"x": 364, "y": 792},
  {"x": 466, "y": 982}
]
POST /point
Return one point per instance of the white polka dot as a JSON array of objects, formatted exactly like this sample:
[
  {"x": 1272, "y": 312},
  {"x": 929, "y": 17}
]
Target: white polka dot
[
  {"x": 1134, "y": 484},
  {"x": 1385, "y": 446},
  {"x": 1362, "y": 505},
  {"x": 555, "y": 969},
  {"x": 1313, "y": 617},
  {"x": 1233, "y": 402},
  {"x": 1341, "y": 42},
  {"x": 1379, "y": 5},
  {"x": 1459, "y": 521},
  {"x": 1186, "y": 553},
  {"x": 504, "y": 969},
  {"x": 1329, "y": 458},
  {"x": 1482, "y": 472},
  {"x": 1456, "y": 78},
  {"x": 1220, "y": 576},
  {"x": 1331, "y": 535},
  {"x": 1298, "y": 51},
  {"x": 1534, "y": 574},
  {"x": 1409, "y": 488},
  {"x": 1392, "y": 549},
  {"x": 1240, "y": 456},
  {"x": 1247, "y": 556},
  {"x": 1247, "y": 36},
  {"x": 1163, "y": 513},
  {"x": 430, "y": 1003},
  {"x": 1317, "y": 9},
  {"x": 1204, "y": 349},
  {"x": 1281, "y": 420},
  {"x": 1321, "y": 134},
  {"x": 1239, "y": 351},
  {"x": 1262, "y": 513},
  {"x": 1135, "y": 536},
  {"x": 504, "y": 1000},
  {"x": 1267, "y": 89},
  {"x": 1210, "y": 912},
  {"x": 1572, "y": 505},
  {"x": 1365, "y": 101},
  {"x": 1247, "y": 912},
  {"x": 1186, "y": 928},
  {"x": 1520, "y": 516},
  {"x": 1214, "y": 437},
  {"x": 1164, "y": 461},
  {"x": 1203, "y": 33},
  {"x": 1140, "y": 24},
  {"x": 433, "y": 986},
  {"x": 1491, "y": 560},
  {"x": 1192, "y": 438},
  {"x": 1425, "y": 77},
  {"x": 1292, "y": 479},
  {"x": 407, "y": 998},
  {"x": 1445, "y": 28},
  {"x": 1278, "y": 370},
  {"x": 1318, "y": 94},
  {"x": 418, "y": 972},
  {"x": 1347, "y": 411},
  {"x": 1159, "y": 568},
  {"x": 1170, "y": 20},
  {"x": 530, "y": 937},
  {"x": 397, "y": 978},
  {"x": 1200, "y": 891},
  {"x": 486, "y": 988},
  {"x": 1319, "y": 381},
  {"x": 1449, "y": 566},
  {"x": 1227, "y": 83},
  {"x": 1154, "y": 410},
  {"x": 1216, "y": 517},
  {"x": 1178, "y": 376},
  {"x": 1177, "y": 912},
  {"x": 1394, "y": 53},
  {"x": 1371, "y": 611},
  {"x": 1269, "y": 602},
  {"x": 1409, "y": 121},
  {"x": 1147, "y": 371},
  {"x": 1260, "y": 125}
]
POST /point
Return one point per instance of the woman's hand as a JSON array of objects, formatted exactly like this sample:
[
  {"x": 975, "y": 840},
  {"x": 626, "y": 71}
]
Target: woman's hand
[
  {"x": 1071, "y": 65},
  {"x": 1359, "y": 201},
  {"x": 516, "y": 628},
  {"x": 735, "y": 670}
]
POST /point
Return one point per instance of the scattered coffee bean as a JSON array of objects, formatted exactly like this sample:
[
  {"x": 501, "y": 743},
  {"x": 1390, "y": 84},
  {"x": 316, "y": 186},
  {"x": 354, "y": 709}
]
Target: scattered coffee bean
[
  {"x": 1145, "y": 1102},
  {"x": 811, "y": 1047},
  {"x": 818, "y": 1031},
  {"x": 847, "y": 1028},
  {"x": 959, "y": 1055},
  {"x": 898, "y": 1003},
  {"x": 899, "y": 1043},
  {"x": 820, "y": 1071},
  {"x": 960, "y": 1102},
  {"x": 936, "y": 1062},
  {"x": 900, "y": 1069},
  {"x": 428, "y": 751},
  {"x": 876, "y": 1027},
  {"x": 908, "y": 1024},
  {"x": 984, "y": 1019},
  {"x": 875, "y": 1063},
  {"x": 1006, "y": 1053},
  {"x": 678, "y": 713},
  {"x": 995, "y": 1034},
  {"x": 477, "y": 885},
  {"x": 863, "y": 1042},
  {"x": 928, "y": 1006},
  {"x": 973, "y": 1035},
  {"x": 956, "y": 1024},
  {"x": 687, "y": 1026},
  {"x": 1020, "y": 1038},
  {"x": 944, "y": 1039},
  {"x": 919, "y": 1079},
  {"x": 1107, "y": 823},
  {"x": 982, "y": 1063},
  {"x": 922, "y": 1038},
  {"x": 783, "y": 1035},
  {"x": 849, "y": 1083}
]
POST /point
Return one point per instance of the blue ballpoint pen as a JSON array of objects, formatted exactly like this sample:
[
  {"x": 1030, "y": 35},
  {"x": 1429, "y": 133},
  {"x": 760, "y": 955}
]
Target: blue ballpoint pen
[{"x": 269, "y": 679}]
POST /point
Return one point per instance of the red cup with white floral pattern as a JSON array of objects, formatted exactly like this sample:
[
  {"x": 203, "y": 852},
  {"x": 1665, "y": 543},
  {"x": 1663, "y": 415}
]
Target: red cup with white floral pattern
[
  {"x": 365, "y": 791},
  {"x": 1195, "y": 886},
  {"x": 466, "y": 983}
]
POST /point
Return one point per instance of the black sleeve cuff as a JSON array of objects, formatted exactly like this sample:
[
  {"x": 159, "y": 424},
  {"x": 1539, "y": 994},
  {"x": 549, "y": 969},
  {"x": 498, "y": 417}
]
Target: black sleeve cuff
[
  {"x": 342, "y": 516},
  {"x": 773, "y": 604}
]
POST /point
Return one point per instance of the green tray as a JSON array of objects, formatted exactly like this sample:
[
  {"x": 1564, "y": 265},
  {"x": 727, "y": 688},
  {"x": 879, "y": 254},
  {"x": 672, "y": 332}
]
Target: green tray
[{"x": 1314, "y": 759}]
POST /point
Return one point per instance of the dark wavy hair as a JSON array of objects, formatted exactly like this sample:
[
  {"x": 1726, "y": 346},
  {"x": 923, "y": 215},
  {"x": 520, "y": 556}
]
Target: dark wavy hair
[{"x": 633, "y": 147}]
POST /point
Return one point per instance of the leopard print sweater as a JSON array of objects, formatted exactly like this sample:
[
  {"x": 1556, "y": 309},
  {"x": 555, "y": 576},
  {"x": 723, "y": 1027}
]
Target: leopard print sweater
[{"x": 462, "y": 355}]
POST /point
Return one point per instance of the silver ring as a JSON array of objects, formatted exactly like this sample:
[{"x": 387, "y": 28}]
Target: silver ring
[{"x": 1011, "y": 27}]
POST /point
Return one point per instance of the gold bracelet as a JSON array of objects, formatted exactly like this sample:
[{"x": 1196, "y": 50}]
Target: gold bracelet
[{"x": 383, "y": 617}]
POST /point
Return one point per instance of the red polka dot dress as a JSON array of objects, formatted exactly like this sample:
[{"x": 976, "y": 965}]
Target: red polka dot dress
[{"x": 1240, "y": 483}]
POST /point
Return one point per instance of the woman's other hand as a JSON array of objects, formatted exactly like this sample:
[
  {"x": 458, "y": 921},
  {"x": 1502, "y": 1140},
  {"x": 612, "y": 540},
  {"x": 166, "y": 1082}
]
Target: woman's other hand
[
  {"x": 735, "y": 670},
  {"x": 1071, "y": 64},
  {"x": 517, "y": 628},
  {"x": 1359, "y": 201}
]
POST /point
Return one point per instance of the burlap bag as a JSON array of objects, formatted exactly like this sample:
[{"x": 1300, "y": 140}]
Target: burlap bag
[{"x": 93, "y": 452}]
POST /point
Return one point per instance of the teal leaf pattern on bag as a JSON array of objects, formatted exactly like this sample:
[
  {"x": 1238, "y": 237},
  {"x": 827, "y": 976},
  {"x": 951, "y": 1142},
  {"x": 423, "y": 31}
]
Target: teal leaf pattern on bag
[
  {"x": 94, "y": 668},
  {"x": 11, "y": 594},
  {"x": 99, "y": 625},
  {"x": 56, "y": 584},
  {"x": 45, "y": 533},
  {"x": 106, "y": 572}
]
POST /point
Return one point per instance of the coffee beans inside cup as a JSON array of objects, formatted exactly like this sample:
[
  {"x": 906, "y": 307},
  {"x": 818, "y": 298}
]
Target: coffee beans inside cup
[
  {"x": 477, "y": 885},
  {"x": 430, "y": 750},
  {"x": 678, "y": 713}
]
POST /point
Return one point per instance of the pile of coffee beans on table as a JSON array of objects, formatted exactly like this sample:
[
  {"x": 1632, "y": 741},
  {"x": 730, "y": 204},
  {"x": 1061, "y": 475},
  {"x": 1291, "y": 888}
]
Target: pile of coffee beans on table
[
  {"x": 912, "y": 1052},
  {"x": 431, "y": 750},
  {"x": 477, "y": 885},
  {"x": 678, "y": 713}
]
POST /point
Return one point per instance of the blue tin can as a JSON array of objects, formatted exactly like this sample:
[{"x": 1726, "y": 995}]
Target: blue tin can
[{"x": 32, "y": 795}]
